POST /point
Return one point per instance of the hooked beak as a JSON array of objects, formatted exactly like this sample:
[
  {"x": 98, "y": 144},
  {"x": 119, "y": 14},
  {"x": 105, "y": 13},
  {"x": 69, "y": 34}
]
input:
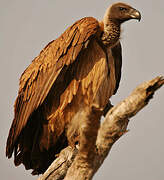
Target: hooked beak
[{"x": 134, "y": 14}]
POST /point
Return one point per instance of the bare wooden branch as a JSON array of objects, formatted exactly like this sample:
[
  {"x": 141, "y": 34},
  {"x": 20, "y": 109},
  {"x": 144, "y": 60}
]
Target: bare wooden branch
[
  {"x": 113, "y": 127},
  {"x": 58, "y": 169}
]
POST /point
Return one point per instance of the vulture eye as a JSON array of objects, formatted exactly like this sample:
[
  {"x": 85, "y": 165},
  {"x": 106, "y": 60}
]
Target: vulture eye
[{"x": 122, "y": 8}]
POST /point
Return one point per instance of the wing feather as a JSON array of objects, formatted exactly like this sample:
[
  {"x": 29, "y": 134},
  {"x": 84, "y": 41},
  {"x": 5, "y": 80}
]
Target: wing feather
[
  {"x": 38, "y": 78},
  {"x": 117, "y": 55}
]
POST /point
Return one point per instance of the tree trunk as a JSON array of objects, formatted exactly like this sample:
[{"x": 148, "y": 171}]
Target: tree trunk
[{"x": 73, "y": 164}]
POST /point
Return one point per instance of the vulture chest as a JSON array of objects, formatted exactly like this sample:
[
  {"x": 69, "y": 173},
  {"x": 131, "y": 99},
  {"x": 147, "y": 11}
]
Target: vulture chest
[
  {"x": 92, "y": 85},
  {"x": 96, "y": 74}
]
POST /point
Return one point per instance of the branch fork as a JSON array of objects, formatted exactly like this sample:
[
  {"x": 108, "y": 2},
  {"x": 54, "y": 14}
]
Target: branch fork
[{"x": 72, "y": 165}]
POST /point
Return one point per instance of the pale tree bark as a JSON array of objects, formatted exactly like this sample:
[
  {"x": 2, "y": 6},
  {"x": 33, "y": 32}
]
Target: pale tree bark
[{"x": 73, "y": 164}]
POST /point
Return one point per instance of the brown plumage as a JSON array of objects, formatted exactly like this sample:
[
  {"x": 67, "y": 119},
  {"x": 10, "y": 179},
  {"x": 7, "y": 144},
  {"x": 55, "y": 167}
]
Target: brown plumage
[{"x": 78, "y": 71}]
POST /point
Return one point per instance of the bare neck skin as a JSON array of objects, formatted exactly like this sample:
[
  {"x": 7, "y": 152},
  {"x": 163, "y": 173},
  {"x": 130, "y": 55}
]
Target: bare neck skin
[{"x": 111, "y": 32}]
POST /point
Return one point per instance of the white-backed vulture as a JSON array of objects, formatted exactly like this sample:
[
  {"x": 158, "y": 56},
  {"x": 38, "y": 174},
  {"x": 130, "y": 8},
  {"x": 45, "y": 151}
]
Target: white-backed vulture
[{"x": 72, "y": 78}]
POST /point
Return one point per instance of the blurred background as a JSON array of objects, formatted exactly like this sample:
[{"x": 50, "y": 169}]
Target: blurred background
[{"x": 27, "y": 27}]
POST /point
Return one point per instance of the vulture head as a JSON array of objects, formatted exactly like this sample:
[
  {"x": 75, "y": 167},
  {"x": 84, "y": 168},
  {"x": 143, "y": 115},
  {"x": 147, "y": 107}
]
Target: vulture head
[{"x": 121, "y": 12}]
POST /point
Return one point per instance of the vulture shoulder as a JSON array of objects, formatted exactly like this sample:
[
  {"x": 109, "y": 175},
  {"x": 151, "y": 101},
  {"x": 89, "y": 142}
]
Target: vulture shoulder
[{"x": 37, "y": 80}]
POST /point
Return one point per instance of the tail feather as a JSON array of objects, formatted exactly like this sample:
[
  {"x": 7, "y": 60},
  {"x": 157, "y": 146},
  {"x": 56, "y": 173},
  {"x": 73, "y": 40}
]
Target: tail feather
[
  {"x": 10, "y": 141},
  {"x": 27, "y": 150}
]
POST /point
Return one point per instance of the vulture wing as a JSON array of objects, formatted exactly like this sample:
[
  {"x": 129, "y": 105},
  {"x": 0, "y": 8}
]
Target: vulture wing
[
  {"x": 38, "y": 78},
  {"x": 117, "y": 55}
]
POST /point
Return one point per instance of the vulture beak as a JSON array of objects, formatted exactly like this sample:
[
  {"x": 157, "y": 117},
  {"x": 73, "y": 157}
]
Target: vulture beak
[{"x": 134, "y": 14}]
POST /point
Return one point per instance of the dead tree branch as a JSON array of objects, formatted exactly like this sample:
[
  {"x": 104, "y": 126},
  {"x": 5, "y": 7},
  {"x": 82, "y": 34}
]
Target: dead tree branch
[{"x": 73, "y": 165}]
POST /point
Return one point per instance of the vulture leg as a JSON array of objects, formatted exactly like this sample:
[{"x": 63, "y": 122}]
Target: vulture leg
[{"x": 88, "y": 124}]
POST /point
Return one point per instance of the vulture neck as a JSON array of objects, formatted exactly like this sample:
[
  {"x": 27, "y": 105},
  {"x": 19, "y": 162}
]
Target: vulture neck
[{"x": 111, "y": 32}]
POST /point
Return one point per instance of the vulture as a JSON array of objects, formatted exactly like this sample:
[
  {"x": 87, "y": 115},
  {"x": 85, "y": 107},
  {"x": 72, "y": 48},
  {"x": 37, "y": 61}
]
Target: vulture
[{"x": 72, "y": 78}]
